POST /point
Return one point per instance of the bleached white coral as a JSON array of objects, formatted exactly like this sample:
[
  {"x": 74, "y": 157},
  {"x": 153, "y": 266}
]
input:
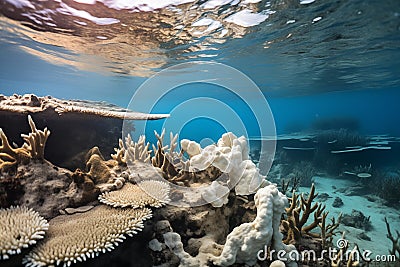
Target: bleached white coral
[
  {"x": 246, "y": 240},
  {"x": 230, "y": 155},
  {"x": 174, "y": 243},
  {"x": 216, "y": 194},
  {"x": 20, "y": 227}
]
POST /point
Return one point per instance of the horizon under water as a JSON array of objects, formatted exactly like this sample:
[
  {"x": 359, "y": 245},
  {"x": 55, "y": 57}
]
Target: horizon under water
[{"x": 313, "y": 86}]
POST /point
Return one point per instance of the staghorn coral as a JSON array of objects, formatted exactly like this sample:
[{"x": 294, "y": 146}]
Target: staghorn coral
[
  {"x": 33, "y": 148},
  {"x": 298, "y": 214},
  {"x": 119, "y": 155},
  {"x": 137, "y": 151},
  {"x": 10, "y": 157},
  {"x": 76, "y": 237},
  {"x": 36, "y": 140},
  {"x": 147, "y": 193},
  {"x": 95, "y": 129},
  {"x": 20, "y": 227},
  {"x": 132, "y": 151}
]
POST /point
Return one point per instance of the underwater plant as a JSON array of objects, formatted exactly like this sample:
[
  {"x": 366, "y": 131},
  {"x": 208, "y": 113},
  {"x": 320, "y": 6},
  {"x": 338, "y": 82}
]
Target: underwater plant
[{"x": 300, "y": 173}]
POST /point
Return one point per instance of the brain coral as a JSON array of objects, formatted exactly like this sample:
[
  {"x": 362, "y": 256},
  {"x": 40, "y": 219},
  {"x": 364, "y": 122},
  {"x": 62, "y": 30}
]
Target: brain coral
[
  {"x": 80, "y": 236},
  {"x": 19, "y": 228},
  {"x": 147, "y": 193}
]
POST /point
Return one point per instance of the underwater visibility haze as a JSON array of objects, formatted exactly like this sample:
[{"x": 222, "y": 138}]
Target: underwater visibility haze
[{"x": 199, "y": 133}]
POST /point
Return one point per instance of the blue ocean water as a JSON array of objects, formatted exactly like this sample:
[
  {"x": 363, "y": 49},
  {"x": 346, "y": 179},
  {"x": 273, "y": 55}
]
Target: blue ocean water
[{"x": 312, "y": 61}]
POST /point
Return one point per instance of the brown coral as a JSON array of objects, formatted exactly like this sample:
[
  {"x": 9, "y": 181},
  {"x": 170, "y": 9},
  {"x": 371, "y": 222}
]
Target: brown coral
[
  {"x": 76, "y": 237},
  {"x": 10, "y": 157},
  {"x": 395, "y": 240},
  {"x": 20, "y": 227},
  {"x": 147, "y": 193},
  {"x": 298, "y": 213}
]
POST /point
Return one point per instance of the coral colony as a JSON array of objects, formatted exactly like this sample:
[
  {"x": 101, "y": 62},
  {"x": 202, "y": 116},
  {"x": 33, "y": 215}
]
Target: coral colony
[{"x": 57, "y": 217}]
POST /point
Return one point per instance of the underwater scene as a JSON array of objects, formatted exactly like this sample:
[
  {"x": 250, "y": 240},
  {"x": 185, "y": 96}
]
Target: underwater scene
[{"x": 200, "y": 133}]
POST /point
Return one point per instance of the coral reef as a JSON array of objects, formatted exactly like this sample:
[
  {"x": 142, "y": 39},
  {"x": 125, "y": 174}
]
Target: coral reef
[
  {"x": 20, "y": 228},
  {"x": 76, "y": 237},
  {"x": 245, "y": 213}
]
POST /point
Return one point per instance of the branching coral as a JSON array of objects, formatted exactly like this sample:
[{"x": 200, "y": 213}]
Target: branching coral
[
  {"x": 20, "y": 227},
  {"x": 395, "y": 240},
  {"x": 137, "y": 151},
  {"x": 298, "y": 215},
  {"x": 76, "y": 237},
  {"x": 36, "y": 140},
  {"x": 164, "y": 157},
  {"x": 146, "y": 193},
  {"x": 9, "y": 156},
  {"x": 33, "y": 147}
]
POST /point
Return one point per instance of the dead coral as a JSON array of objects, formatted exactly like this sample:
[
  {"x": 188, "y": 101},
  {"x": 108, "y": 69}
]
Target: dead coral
[
  {"x": 395, "y": 240},
  {"x": 20, "y": 227},
  {"x": 137, "y": 151},
  {"x": 146, "y": 193},
  {"x": 76, "y": 237},
  {"x": 132, "y": 151},
  {"x": 34, "y": 104}
]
